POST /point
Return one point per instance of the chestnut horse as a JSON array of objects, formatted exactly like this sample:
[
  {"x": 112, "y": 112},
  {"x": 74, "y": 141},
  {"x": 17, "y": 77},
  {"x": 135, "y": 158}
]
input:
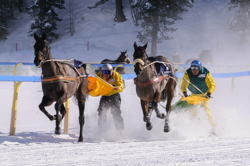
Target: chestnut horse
[
  {"x": 150, "y": 84},
  {"x": 59, "y": 82}
]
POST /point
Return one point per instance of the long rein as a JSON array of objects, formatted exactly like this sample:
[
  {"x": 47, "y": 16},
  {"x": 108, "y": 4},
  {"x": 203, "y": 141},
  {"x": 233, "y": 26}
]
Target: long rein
[
  {"x": 164, "y": 63},
  {"x": 172, "y": 77}
]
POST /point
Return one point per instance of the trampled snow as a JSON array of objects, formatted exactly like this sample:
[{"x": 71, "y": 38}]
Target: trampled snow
[{"x": 188, "y": 143}]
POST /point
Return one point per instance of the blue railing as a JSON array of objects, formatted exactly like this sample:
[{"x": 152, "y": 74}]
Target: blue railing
[
  {"x": 15, "y": 63},
  {"x": 124, "y": 76}
]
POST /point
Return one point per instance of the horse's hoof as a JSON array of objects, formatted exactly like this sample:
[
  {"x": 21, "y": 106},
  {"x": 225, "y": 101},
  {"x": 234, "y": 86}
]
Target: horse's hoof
[
  {"x": 161, "y": 116},
  {"x": 57, "y": 132},
  {"x": 80, "y": 139},
  {"x": 166, "y": 129},
  {"x": 149, "y": 126}
]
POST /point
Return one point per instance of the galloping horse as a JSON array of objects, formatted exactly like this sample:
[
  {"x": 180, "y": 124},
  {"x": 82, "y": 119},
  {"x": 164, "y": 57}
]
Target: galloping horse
[
  {"x": 59, "y": 82},
  {"x": 151, "y": 81}
]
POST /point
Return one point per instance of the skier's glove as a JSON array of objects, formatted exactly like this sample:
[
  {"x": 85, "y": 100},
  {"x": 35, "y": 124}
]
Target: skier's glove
[
  {"x": 185, "y": 94},
  {"x": 115, "y": 87},
  {"x": 208, "y": 95}
]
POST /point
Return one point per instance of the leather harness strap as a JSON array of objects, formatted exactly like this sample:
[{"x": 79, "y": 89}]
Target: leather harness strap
[
  {"x": 150, "y": 82},
  {"x": 57, "y": 78}
]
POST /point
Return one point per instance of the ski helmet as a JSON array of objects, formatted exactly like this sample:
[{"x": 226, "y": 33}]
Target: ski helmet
[
  {"x": 196, "y": 63},
  {"x": 107, "y": 67}
]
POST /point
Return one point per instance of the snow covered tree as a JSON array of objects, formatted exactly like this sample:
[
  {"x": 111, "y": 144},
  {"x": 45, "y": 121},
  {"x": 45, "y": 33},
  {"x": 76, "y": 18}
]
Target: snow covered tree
[
  {"x": 4, "y": 18},
  {"x": 70, "y": 9},
  {"x": 135, "y": 9},
  {"x": 16, "y": 4},
  {"x": 119, "y": 16},
  {"x": 156, "y": 18},
  {"x": 44, "y": 17},
  {"x": 240, "y": 22}
]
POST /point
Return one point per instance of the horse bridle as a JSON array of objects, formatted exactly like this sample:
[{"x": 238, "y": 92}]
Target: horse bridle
[
  {"x": 41, "y": 54},
  {"x": 139, "y": 60}
]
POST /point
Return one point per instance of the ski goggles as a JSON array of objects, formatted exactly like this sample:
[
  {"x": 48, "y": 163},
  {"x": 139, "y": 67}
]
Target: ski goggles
[
  {"x": 106, "y": 72},
  {"x": 194, "y": 68}
]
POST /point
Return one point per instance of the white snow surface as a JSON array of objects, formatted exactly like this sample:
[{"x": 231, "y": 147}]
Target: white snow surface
[{"x": 188, "y": 143}]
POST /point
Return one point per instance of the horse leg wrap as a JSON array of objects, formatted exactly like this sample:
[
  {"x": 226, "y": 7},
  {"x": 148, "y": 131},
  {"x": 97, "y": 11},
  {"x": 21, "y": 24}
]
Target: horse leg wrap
[
  {"x": 59, "y": 117},
  {"x": 148, "y": 123},
  {"x": 152, "y": 105},
  {"x": 159, "y": 115},
  {"x": 146, "y": 119}
]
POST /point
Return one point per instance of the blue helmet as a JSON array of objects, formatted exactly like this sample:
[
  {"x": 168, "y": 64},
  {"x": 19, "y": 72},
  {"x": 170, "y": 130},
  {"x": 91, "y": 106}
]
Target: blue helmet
[{"x": 196, "y": 63}]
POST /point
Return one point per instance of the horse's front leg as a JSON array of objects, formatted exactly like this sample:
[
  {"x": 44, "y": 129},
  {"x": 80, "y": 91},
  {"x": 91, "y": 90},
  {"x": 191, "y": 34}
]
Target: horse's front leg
[
  {"x": 155, "y": 102},
  {"x": 59, "y": 105},
  {"x": 170, "y": 94},
  {"x": 62, "y": 111},
  {"x": 46, "y": 102},
  {"x": 146, "y": 114}
]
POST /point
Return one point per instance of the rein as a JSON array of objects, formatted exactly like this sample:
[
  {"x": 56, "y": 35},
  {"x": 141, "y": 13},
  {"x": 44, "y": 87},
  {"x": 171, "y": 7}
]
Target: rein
[
  {"x": 189, "y": 83},
  {"x": 153, "y": 80},
  {"x": 138, "y": 60},
  {"x": 150, "y": 82}
]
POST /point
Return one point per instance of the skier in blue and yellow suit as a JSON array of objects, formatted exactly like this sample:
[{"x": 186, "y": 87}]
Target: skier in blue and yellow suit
[
  {"x": 112, "y": 99},
  {"x": 199, "y": 76}
]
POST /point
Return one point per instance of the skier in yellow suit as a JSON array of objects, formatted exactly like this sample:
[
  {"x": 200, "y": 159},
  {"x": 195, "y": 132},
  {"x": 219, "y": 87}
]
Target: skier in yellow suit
[
  {"x": 112, "y": 99},
  {"x": 199, "y": 81}
]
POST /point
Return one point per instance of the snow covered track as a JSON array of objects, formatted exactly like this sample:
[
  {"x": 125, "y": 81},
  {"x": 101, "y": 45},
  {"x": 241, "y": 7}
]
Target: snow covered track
[
  {"x": 188, "y": 143},
  {"x": 212, "y": 151}
]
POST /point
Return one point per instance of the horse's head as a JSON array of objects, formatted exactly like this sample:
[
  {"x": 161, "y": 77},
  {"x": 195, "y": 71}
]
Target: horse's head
[
  {"x": 124, "y": 57},
  {"x": 139, "y": 58},
  {"x": 42, "y": 50}
]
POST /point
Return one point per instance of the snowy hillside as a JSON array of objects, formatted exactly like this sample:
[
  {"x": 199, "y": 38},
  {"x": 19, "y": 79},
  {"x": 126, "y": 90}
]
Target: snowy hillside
[{"x": 205, "y": 26}]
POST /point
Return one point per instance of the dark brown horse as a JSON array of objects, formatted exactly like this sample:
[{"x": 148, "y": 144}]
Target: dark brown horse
[
  {"x": 59, "y": 82},
  {"x": 149, "y": 84},
  {"x": 122, "y": 59}
]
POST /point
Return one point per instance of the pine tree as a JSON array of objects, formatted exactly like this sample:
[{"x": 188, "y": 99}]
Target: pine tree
[
  {"x": 119, "y": 16},
  {"x": 240, "y": 22},
  {"x": 45, "y": 17},
  {"x": 4, "y": 18},
  {"x": 156, "y": 17}
]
